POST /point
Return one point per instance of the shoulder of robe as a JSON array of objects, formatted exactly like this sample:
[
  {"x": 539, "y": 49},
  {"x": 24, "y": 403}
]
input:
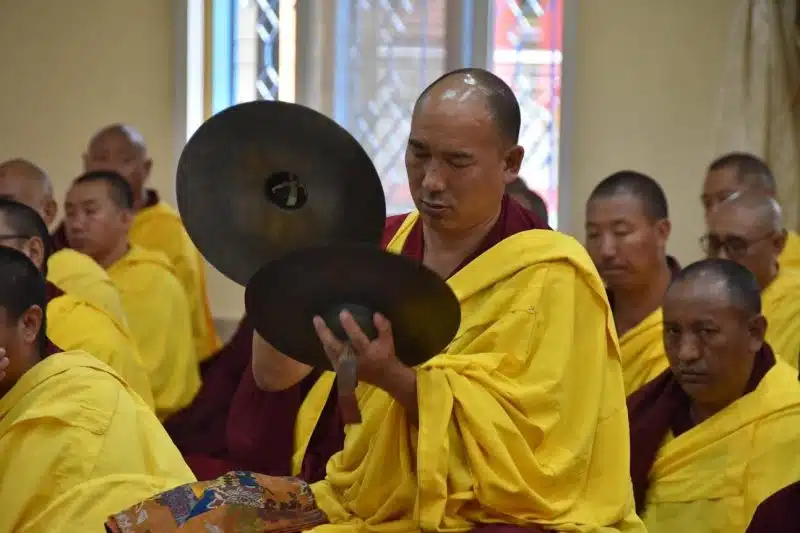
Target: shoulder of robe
[
  {"x": 141, "y": 256},
  {"x": 161, "y": 225},
  {"x": 71, "y": 316},
  {"x": 68, "y": 263},
  {"x": 80, "y": 392}
]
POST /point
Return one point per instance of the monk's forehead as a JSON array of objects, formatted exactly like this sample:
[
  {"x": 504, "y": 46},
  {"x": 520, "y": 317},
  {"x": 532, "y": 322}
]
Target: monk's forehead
[
  {"x": 456, "y": 94},
  {"x": 737, "y": 218},
  {"x": 620, "y": 203},
  {"x": 701, "y": 292}
]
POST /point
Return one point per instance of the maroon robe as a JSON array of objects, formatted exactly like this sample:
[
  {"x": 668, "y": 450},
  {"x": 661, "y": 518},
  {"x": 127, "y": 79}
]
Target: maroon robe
[
  {"x": 661, "y": 406},
  {"x": 51, "y": 292},
  {"x": 259, "y": 433},
  {"x": 780, "y": 513}
]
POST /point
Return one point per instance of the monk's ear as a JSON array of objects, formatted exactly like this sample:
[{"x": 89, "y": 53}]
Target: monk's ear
[
  {"x": 50, "y": 211},
  {"x": 30, "y": 323},
  {"x": 757, "y": 327},
  {"x": 148, "y": 166},
  {"x": 34, "y": 249},
  {"x": 126, "y": 218},
  {"x": 513, "y": 162},
  {"x": 780, "y": 241},
  {"x": 663, "y": 229}
]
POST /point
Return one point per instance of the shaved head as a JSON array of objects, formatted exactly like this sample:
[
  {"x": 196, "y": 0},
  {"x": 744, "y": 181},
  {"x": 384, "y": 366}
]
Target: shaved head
[
  {"x": 640, "y": 186},
  {"x": 469, "y": 83},
  {"x": 750, "y": 170},
  {"x": 120, "y": 148},
  {"x": 723, "y": 277},
  {"x": 27, "y": 183},
  {"x": 761, "y": 209}
]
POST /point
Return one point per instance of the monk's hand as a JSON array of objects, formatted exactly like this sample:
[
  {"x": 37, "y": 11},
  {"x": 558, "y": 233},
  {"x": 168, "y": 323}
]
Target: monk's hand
[
  {"x": 376, "y": 362},
  {"x": 4, "y": 362}
]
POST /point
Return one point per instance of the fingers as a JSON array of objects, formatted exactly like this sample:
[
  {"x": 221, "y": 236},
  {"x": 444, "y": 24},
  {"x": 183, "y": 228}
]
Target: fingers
[
  {"x": 358, "y": 339},
  {"x": 383, "y": 326},
  {"x": 332, "y": 346},
  {"x": 4, "y": 362}
]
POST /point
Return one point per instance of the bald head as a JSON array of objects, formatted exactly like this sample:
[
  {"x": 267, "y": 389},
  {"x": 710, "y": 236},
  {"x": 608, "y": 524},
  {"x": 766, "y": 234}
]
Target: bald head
[
  {"x": 749, "y": 170},
  {"x": 755, "y": 209},
  {"x": 27, "y": 183},
  {"x": 473, "y": 85},
  {"x": 120, "y": 148},
  {"x": 722, "y": 277},
  {"x": 640, "y": 186}
]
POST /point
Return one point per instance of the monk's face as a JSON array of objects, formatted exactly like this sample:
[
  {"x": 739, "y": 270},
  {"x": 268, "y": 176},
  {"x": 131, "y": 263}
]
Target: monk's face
[
  {"x": 457, "y": 162},
  {"x": 626, "y": 246},
  {"x": 32, "y": 246},
  {"x": 15, "y": 185},
  {"x": 114, "y": 151},
  {"x": 710, "y": 343},
  {"x": 94, "y": 223},
  {"x": 718, "y": 186},
  {"x": 738, "y": 234},
  {"x": 18, "y": 335}
]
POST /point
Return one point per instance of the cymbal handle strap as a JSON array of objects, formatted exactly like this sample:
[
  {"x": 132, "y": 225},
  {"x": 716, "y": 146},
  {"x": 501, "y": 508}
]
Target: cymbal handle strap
[{"x": 346, "y": 381}]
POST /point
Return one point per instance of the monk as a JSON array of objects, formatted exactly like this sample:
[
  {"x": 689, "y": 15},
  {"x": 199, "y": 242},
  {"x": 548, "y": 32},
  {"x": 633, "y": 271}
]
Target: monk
[
  {"x": 627, "y": 229},
  {"x": 521, "y": 423},
  {"x": 737, "y": 172},
  {"x": 76, "y": 442},
  {"x": 71, "y": 271},
  {"x": 780, "y": 513},
  {"x": 73, "y": 323},
  {"x": 748, "y": 229},
  {"x": 527, "y": 198},
  {"x": 716, "y": 434},
  {"x": 156, "y": 225},
  {"x": 99, "y": 212}
]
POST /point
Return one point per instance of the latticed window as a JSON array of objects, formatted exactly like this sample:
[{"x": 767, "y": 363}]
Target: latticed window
[{"x": 364, "y": 62}]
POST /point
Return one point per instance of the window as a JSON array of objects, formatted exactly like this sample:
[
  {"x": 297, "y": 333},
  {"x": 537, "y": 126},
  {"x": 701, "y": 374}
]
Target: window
[{"x": 370, "y": 59}]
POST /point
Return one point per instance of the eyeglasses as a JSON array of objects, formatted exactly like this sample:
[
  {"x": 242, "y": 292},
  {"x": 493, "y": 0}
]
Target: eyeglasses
[{"x": 734, "y": 245}]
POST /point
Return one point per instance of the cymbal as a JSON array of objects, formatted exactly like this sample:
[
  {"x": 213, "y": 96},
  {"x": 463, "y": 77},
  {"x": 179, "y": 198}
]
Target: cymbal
[
  {"x": 264, "y": 178},
  {"x": 283, "y": 297}
]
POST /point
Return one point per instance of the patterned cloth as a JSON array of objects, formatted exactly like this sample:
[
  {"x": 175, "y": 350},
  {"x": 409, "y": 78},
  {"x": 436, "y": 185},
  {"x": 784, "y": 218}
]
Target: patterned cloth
[{"x": 241, "y": 502}]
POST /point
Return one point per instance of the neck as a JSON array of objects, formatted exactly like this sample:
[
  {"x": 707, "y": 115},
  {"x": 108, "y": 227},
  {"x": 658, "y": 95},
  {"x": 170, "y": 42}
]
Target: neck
[
  {"x": 112, "y": 256},
  {"x": 634, "y": 304},
  {"x": 699, "y": 412},
  {"x": 26, "y": 362},
  {"x": 140, "y": 199},
  {"x": 444, "y": 251}
]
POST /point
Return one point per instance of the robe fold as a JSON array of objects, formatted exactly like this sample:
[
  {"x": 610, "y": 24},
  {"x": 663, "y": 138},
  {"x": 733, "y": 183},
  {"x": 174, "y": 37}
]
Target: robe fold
[
  {"x": 712, "y": 476},
  {"x": 642, "y": 347},
  {"x": 522, "y": 419},
  {"x": 76, "y": 445},
  {"x": 76, "y": 324},
  {"x": 780, "y": 302},
  {"x": 157, "y": 226},
  {"x": 780, "y": 513},
  {"x": 790, "y": 257},
  {"x": 158, "y": 315},
  {"x": 79, "y": 275}
]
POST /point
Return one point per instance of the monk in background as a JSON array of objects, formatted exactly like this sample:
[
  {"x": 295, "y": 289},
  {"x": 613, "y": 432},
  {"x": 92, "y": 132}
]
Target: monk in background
[
  {"x": 716, "y": 434},
  {"x": 738, "y": 172},
  {"x": 73, "y": 323},
  {"x": 99, "y": 211},
  {"x": 780, "y": 513},
  {"x": 521, "y": 424},
  {"x": 627, "y": 229},
  {"x": 156, "y": 225},
  {"x": 71, "y": 271},
  {"x": 527, "y": 198},
  {"x": 748, "y": 229},
  {"x": 76, "y": 442}
]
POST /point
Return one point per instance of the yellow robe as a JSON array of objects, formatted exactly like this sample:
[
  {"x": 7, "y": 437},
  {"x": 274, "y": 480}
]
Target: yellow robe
[
  {"x": 643, "y": 355},
  {"x": 521, "y": 420},
  {"x": 158, "y": 314},
  {"x": 780, "y": 303},
  {"x": 77, "y": 446},
  {"x": 790, "y": 257},
  {"x": 78, "y": 274},
  {"x": 159, "y": 227},
  {"x": 712, "y": 478}
]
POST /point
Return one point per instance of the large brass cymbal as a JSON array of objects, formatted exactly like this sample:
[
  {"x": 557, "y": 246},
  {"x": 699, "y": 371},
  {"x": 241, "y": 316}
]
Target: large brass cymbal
[
  {"x": 283, "y": 297},
  {"x": 261, "y": 179}
]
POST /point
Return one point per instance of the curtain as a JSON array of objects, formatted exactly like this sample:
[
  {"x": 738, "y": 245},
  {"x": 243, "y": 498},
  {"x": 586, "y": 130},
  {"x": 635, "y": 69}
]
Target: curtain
[{"x": 760, "y": 98}]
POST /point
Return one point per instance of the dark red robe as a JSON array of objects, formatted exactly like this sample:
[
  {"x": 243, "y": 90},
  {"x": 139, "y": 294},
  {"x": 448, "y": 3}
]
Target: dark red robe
[
  {"x": 780, "y": 513},
  {"x": 661, "y": 406},
  {"x": 259, "y": 430}
]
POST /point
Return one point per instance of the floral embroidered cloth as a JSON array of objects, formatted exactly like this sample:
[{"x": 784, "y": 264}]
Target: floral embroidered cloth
[{"x": 241, "y": 502}]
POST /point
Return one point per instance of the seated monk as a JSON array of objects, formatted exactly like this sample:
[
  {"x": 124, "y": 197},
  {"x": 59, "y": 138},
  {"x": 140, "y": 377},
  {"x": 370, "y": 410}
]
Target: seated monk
[
  {"x": 156, "y": 225},
  {"x": 527, "y": 198},
  {"x": 748, "y": 229},
  {"x": 780, "y": 513},
  {"x": 737, "y": 172},
  {"x": 716, "y": 434},
  {"x": 73, "y": 323},
  {"x": 69, "y": 270},
  {"x": 521, "y": 423},
  {"x": 627, "y": 228},
  {"x": 98, "y": 213},
  {"x": 76, "y": 442}
]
